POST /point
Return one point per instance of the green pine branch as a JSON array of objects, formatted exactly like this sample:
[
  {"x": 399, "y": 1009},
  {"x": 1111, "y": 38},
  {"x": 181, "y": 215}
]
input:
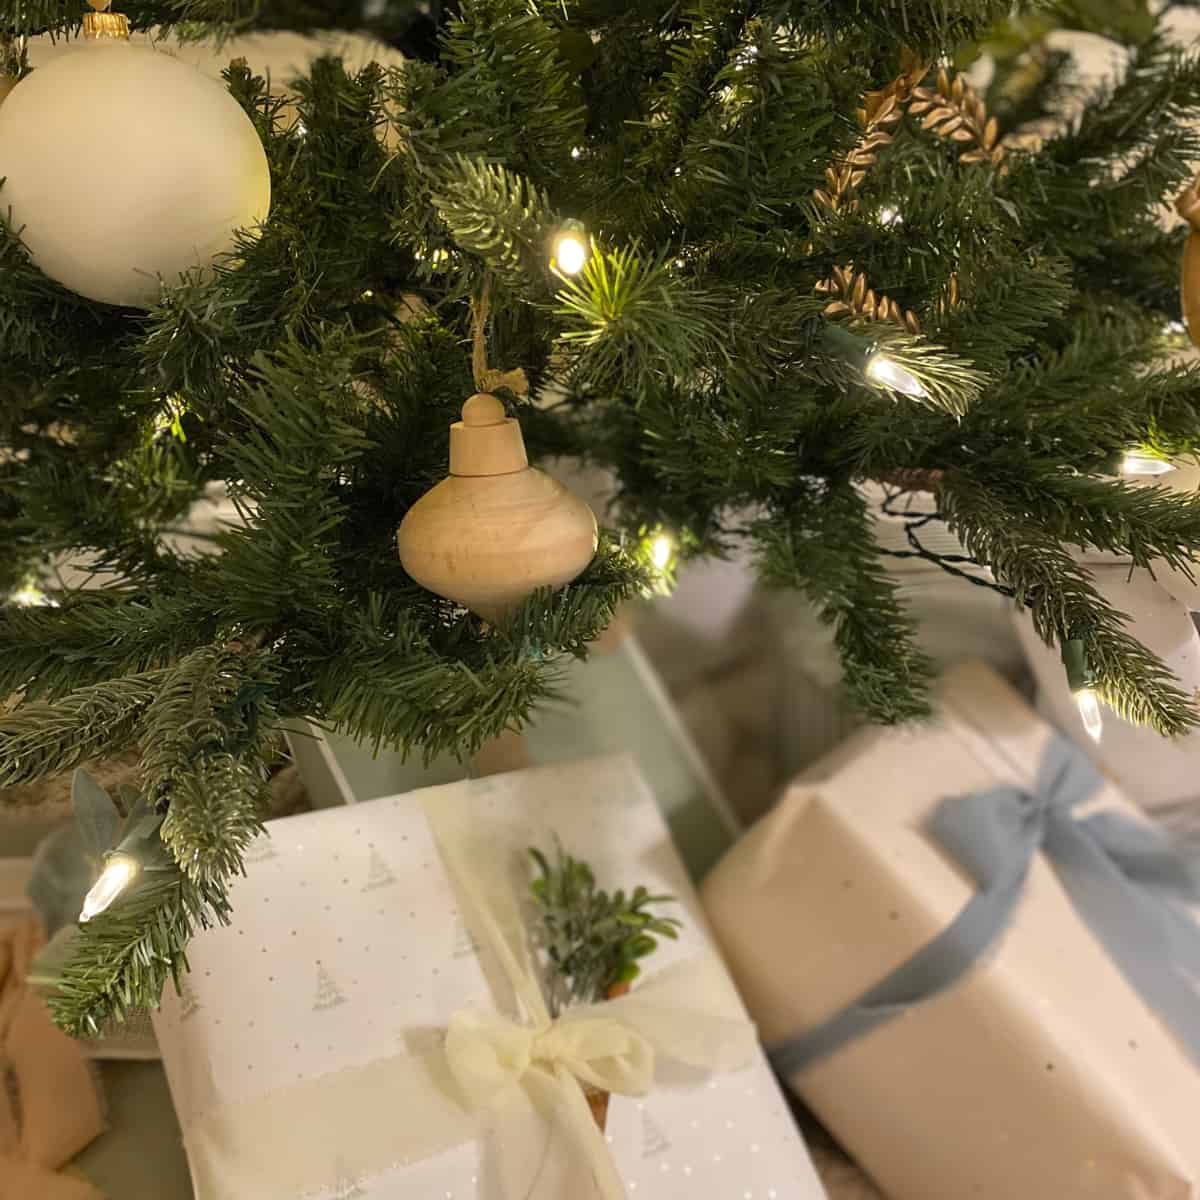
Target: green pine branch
[
  {"x": 200, "y": 741},
  {"x": 629, "y": 317},
  {"x": 41, "y": 739},
  {"x": 824, "y": 548},
  {"x": 1028, "y": 558},
  {"x": 495, "y": 214}
]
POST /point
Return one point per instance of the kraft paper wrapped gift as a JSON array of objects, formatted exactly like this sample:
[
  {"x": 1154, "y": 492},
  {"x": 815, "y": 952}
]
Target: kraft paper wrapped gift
[
  {"x": 306, "y": 1051},
  {"x": 1042, "y": 1074}
]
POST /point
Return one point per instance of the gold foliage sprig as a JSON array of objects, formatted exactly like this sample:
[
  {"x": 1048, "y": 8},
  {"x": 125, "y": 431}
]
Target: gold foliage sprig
[
  {"x": 852, "y": 297},
  {"x": 881, "y": 112},
  {"x": 955, "y": 111}
]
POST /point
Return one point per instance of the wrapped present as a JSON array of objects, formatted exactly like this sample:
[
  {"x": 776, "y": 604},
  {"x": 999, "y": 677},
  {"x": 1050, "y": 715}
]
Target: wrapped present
[
  {"x": 50, "y": 1108},
  {"x": 115, "y": 1117},
  {"x": 373, "y": 1025},
  {"x": 974, "y": 961}
]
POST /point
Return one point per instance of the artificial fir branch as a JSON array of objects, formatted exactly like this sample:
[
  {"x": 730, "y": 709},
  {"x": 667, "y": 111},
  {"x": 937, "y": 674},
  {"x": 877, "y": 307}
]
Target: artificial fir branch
[
  {"x": 1065, "y": 604},
  {"x": 38, "y": 740},
  {"x": 494, "y": 213},
  {"x": 844, "y": 578},
  {"x": 200, "y": 740}
]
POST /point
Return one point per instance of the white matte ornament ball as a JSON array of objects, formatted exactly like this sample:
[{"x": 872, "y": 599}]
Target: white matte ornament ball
[{"x": 124, "y": 164}]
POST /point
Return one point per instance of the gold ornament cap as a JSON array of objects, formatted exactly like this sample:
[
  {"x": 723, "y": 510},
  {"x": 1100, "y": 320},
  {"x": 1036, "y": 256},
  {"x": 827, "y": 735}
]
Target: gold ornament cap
[
  {"x": 485, "y": 441},
  {"x": 103, "y": 25},
  {"x": 110, "y": 26}
]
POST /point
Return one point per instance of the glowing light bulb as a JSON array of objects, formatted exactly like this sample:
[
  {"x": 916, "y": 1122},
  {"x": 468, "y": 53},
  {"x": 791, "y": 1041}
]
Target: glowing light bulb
[
  {"x": 661, "y": 550},
  {"x": 890, "y": 374},
  {"x": 29, "y": 595},
  {"x": 1089, "y": 712},
  {"x": 1144, "y": 464},
  {"x": 114, "y": 879},
  {"x": 890, "y": 216},
  {"x": 576, "y": 151},
  {"x": 570, "y": 252}
]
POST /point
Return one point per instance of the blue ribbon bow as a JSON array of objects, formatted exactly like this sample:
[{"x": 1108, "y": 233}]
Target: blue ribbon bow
[{"x": 1126, "y": 879}]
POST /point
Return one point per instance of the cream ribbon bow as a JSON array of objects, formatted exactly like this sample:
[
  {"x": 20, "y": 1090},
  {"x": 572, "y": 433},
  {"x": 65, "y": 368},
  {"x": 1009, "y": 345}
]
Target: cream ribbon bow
[
  {"x": 526, "y": 1078},
  {"x": 489, "y": 1053}
]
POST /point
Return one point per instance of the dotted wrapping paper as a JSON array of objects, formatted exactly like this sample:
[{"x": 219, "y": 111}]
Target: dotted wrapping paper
[{"x": 348, "y": 946}]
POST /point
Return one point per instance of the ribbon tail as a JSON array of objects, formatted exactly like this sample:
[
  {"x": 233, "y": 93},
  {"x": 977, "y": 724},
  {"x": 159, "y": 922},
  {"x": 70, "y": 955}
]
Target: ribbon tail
[
  {"x": 587, "y": 1138},
  {"x": 689, "y": 1012},
  {"x": 544, "y": 1144},
  {"x": 934, "y": 969},
  {"x": 1154, "y": 947}
]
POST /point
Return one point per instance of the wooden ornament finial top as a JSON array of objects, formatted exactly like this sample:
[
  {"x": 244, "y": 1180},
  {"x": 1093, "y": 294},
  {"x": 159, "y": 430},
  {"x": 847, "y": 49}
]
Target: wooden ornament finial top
[
  {"x": 483, "y": 409},
  {"x": 485, "y": 441}
]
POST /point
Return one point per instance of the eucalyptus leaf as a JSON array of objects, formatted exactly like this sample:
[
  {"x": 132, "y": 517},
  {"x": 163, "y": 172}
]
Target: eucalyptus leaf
[
  {"x": 46, "y": 968},
  {"x": 96, "y": 815}
]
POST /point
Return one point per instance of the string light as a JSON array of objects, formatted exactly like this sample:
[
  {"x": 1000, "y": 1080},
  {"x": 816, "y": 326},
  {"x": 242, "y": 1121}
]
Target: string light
[
  {"x": 1089, "y": 712},
  {"x": 118, "y": 872},
  {"x": 570, "y": 248},
  {"x": 890, "y": 216},
  {"x": 1081, "y": 682},
  {"x": 662, "y": 550},
  {"x": 29, "y": 595},
  {"x": 1136, "y": 463},
  {"x": 888, "y": 373}
]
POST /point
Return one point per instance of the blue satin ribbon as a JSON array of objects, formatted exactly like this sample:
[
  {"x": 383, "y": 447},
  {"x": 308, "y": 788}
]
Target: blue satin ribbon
[{"x": 1127, "y": 880}]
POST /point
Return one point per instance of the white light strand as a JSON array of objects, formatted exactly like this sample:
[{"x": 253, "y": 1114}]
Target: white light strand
[
  {"x": 114, "y": 879},
  {"x": 662, "y": 550}
]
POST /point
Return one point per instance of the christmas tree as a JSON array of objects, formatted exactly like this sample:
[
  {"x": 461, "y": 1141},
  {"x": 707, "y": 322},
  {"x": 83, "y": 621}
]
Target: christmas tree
[{"x": 745, "y": 255}]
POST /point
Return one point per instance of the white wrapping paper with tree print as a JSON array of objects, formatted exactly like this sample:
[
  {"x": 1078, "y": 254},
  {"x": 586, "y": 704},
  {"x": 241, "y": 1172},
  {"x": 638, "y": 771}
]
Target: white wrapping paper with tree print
[
  {"x": 350, "y": 947},
  {"x": 1042, "y": 1075}
]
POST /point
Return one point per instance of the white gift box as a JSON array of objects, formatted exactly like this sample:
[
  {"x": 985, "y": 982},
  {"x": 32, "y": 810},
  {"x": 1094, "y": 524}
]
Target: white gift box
[
  {"x": 349, "y": 946},
  {"x": 1041, "y": 1075}
]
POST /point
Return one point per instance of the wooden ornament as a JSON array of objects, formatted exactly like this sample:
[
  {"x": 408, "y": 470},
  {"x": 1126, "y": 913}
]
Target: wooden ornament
[
  {"x": 1188, "y": 207},
  {"x": 495, "y": 529}
]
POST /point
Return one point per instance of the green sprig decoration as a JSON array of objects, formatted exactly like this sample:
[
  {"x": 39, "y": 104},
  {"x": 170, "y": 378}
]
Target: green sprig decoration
[{"x": 593, "y": 941}]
